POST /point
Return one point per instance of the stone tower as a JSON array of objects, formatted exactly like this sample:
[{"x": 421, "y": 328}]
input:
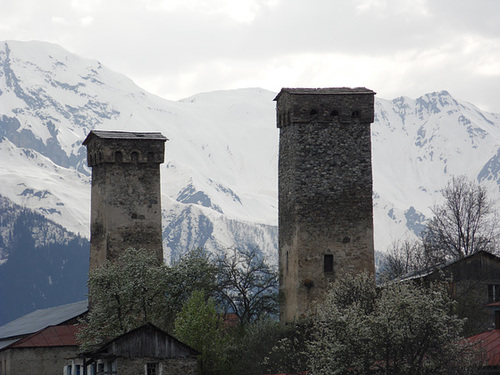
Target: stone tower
[
  {"x": 325, "y": 191},
  {"x": 126, "y": 199}
]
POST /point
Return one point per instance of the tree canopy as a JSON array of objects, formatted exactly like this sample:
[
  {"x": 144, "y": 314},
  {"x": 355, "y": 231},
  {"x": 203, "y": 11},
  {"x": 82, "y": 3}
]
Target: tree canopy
[
  {"x": 199, "y": 325},
  {"x": 402, "y": 328},
  {"x": 463, "y": 225},
  {"x": 247, "y": 285},
  {"x": 139, "y": 289},
  {"x": 123, "y": 295}
]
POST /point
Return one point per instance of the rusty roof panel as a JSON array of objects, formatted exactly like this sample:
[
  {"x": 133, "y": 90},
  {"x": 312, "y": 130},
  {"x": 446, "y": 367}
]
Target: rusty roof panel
[
  {"x": 489, "y": 341},
  {"x": 50, "y": 336}
]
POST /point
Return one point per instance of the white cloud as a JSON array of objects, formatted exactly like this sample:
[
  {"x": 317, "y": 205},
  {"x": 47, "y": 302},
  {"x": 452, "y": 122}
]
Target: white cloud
[
  {"x": 177, "y": 48},
  {"x": 86, "y": 21},
  {"x": 243, "y": 11},
  {"x": 59, "y": 20},
  {"x": 86, "y": 6}
]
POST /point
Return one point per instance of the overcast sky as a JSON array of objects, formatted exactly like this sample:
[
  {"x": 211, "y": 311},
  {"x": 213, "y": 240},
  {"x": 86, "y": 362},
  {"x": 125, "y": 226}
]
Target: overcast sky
[{"x": 177, "y": 48}]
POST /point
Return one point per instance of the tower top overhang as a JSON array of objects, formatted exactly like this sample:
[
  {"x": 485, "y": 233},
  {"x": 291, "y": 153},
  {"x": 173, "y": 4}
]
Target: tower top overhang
[
  {"x": 325, "y": 91},
  {"x": 117, "y": 135}
]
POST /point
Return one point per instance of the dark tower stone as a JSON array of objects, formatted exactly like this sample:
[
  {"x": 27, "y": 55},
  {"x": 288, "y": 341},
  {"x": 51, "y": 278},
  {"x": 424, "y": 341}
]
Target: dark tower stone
[
  {"x": 325, "y": 192},
  {"x": 126, "y": 198}
]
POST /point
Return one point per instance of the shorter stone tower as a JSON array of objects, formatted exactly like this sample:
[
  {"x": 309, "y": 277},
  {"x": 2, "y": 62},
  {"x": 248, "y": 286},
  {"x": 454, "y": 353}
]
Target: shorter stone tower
[
  {"x": 126, "y": 198},
  {"x": 325, "y": 192}
]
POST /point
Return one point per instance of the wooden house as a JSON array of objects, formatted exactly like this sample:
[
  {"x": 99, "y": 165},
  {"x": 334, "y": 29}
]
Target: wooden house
[
  {"x": 474, "y": 283},
  {"x": 145, "y": 350}
]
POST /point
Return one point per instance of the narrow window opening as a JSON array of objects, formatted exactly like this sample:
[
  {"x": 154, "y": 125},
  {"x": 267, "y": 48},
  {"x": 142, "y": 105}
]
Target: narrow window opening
[
  {"x": 134, "y": 157},
  {"x": 493, "y": 293},
  {"x": 334, "y": 113},
  {"x": 118, "y": 157},
  {"x": 151, "y": 157},
  {"x": 356, "y": 113},
  {"x": 313, "y": 111},
  {"x": 328, "y": 263},
  {"x": 287, "y": 261}
]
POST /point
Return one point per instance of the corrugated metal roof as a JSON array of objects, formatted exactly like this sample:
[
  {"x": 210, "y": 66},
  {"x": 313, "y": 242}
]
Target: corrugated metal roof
[
  {"x": 4, "y": 343},
  {"x": 489, "y": 341},
  {"x": 40, "y": 319},
  {"x": 51, "y": 336}
]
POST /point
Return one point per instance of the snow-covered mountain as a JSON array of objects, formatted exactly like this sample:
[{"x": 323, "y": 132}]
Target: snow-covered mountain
[
  {"x": 219, "y": 179},
  {"x": 418, "y": 145}
]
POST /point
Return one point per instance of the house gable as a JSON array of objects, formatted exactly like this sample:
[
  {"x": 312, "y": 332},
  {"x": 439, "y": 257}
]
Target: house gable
[{"x": 145, "y": 341}]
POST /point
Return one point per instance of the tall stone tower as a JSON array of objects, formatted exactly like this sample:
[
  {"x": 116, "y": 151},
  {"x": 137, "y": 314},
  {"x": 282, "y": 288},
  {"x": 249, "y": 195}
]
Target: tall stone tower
[
  {"x": 325, "y": 191},
  {"x": 126, "y": 199}
]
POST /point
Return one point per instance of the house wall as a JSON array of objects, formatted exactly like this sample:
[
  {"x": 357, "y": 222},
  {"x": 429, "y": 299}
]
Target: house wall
[
  {"x": 325, "y": 192},
  {"x": 172, "y": 366},
  {"x": 471, "y": 279},
  {"x": 39, "y": 361}
]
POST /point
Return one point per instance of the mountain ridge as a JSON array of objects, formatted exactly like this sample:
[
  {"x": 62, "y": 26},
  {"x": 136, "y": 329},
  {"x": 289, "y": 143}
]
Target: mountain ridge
[{"x": 221, "y": 157}]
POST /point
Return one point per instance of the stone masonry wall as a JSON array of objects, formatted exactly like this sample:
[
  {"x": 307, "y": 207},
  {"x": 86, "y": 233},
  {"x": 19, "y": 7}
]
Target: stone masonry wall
[
  {"x": 41, "y": 360},
  {"x": 126, "y": 197},
  {"x": 170, "y": 366},
  {"x": 325, "y": 191}
]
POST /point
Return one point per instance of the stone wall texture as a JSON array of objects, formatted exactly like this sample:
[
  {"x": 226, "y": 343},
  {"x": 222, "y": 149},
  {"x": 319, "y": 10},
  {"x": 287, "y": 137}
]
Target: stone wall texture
[
  {"x": 325, "y": 192},
  {"x": 170, "y": 366},
  {"x": 126, "y": 197},
  {"x": 40, "y": 360}
]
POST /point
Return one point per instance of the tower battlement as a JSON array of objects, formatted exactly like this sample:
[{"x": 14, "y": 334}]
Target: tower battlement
[
  {"x": 124, "y": 147},
  {"x": 325, "y": 105}
]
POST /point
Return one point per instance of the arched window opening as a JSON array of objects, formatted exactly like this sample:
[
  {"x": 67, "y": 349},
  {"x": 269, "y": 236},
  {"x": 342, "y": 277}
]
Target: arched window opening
[
  {"x": 328, "y": 263},
  {"x": 118, "y": 157},
  {"x": 134, "y": 157}
]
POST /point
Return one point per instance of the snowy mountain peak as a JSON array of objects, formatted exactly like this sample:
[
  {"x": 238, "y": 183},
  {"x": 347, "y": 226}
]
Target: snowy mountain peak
[{"x": 219, "y": 179}]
